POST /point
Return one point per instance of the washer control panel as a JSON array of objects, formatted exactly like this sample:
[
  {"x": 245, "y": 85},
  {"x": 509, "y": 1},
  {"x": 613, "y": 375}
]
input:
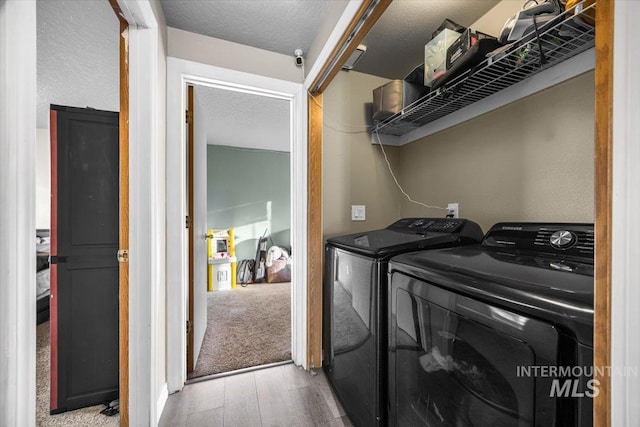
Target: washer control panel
[{"x": 424, "y": 225}]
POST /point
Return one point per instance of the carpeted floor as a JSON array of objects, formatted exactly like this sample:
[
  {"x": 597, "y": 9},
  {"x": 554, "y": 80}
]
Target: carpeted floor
[
  {"x": 82, "y": 417},
  {"x": 248, "y": 326}
]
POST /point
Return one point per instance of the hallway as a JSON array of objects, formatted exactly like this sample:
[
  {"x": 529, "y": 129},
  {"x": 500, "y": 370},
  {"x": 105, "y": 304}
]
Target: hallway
[{"x": 278, "y": 396}]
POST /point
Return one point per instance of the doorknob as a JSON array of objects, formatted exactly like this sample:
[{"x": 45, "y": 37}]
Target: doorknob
[{"x": 208, "y": 236}]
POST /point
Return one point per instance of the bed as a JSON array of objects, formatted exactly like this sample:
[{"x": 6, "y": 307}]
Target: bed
[{"x": 42, "y": 275}]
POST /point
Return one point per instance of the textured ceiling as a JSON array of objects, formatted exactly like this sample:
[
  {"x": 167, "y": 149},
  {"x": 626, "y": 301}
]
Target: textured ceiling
[
  {"x": 240, "y": 119},
  {"x": 395, "y": 45},
  {"x": 277, "y": 25},
  {"x": 78, "y": 56}
]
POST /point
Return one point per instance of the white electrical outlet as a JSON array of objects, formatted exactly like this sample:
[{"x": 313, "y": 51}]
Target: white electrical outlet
[
  {"x": 453, "y": 210},
  {"x": 358, "y": 212}
]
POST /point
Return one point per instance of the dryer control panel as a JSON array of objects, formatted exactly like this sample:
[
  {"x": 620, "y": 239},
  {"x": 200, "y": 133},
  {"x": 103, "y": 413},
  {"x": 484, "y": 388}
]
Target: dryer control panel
[{"x": 569, "y": 239}]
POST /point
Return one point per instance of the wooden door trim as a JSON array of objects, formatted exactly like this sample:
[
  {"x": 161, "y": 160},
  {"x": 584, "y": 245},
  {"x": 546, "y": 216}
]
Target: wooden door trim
[
  {"x": 336, "y": 59},
  {"x": 123, "y": 305},
  {"x": 190, "y": 232},
  {"x": 124, "y": 223},
  {"x": 603, "y": 201},
  {"x": 315, "y": 253}
]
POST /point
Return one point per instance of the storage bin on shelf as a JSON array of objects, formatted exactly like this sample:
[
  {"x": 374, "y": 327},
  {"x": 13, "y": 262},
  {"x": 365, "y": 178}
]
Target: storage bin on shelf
[{"x": 435, "y": 55}]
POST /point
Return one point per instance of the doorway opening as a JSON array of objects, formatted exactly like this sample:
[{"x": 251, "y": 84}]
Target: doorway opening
[
  {"x": 239, "y": 203},
  {"x": 180, "y": 74},
  {"x": 77, "y": 346}
]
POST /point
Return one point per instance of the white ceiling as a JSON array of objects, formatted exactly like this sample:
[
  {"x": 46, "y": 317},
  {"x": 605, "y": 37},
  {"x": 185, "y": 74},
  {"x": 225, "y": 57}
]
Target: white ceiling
[
  {"x": 239, "y": 119},
  {"x": 394, "y": 46},
  {"x": 78, "y": 56},
  {"x": 78, "y": 51},
  {"x": 280, "y": 26}
]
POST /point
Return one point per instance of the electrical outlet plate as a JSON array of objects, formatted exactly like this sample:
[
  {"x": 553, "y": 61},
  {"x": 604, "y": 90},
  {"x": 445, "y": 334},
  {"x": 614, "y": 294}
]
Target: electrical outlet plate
[
  {"x": 358, "y": 212},
  {"x": 453, "y": 210}
]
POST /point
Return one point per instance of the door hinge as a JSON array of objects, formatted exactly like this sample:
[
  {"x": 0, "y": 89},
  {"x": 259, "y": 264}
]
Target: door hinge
[
  {"x": 189, "y": 117},
  {"x": 189, "y": 327},
  {"x": 188, "y": 222},
  {"x": 123, "y": 255}
]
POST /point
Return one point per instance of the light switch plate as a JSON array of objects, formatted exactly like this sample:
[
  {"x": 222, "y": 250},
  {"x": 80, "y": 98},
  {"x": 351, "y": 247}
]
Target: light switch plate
[{"x": 358, "y": 212}]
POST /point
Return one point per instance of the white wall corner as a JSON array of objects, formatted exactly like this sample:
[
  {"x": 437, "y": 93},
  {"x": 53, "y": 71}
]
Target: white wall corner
[
  {"x": 625, "y": 298},
  {"x": 163, "y": 395},
  {"x": 17, "y": 212},
  {"x": 140, "y": 134},
  {"x": 146, "y": 227},
  {"x": 299, "y": 225}
]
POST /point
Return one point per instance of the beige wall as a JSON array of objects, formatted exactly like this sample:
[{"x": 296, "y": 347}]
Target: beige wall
[
  {"x": 528, "y": 161},
  {"x": 233, "y": 56},
  {"x": 354, "y": 171}
]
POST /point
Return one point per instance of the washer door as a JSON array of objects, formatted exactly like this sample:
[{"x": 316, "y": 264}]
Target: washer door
[{"x": 455, "y": 361}]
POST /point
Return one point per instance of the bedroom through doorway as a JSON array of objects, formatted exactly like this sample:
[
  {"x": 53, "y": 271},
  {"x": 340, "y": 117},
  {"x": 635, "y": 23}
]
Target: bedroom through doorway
[
  {"x": 77, "y": 222},
  {"x": 242, "y": 252}
]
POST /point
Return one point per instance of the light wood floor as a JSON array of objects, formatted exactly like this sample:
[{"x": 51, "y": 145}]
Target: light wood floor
[{"x": 279, "y": 396}]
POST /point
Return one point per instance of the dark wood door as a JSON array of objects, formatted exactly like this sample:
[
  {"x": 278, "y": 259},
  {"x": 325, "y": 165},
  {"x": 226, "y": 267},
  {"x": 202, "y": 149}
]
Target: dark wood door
[{"x": 84, "y": 265}]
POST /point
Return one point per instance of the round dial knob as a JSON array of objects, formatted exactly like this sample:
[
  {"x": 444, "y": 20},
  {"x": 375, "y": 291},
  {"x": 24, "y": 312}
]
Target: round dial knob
[{"x": 562, "y": 239}]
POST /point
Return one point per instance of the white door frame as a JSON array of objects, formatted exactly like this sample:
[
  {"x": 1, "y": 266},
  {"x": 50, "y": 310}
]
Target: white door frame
[
  {"x": 147, "y": 387},
  {"x": 179, "y": 73}
]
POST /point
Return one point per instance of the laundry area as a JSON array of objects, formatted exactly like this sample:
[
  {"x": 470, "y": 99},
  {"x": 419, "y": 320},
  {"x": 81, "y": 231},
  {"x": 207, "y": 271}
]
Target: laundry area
[{"x": 472, "y": 256}]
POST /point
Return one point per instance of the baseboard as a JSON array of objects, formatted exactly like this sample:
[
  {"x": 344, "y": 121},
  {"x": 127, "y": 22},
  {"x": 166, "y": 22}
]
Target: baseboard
[{"x": 162, "y": 400}]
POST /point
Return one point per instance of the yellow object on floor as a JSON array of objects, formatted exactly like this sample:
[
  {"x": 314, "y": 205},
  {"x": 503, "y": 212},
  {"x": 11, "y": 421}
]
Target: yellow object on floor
[
  {"x": 221, "y": 260},
  {"x": 232, "y": 254}
]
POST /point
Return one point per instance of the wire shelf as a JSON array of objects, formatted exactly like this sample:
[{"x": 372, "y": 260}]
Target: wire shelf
[{"x": 558, "y": 40}]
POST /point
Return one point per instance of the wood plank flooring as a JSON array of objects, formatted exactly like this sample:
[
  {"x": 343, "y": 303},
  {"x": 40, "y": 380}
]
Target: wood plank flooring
[{"x": 278, "y": 396}]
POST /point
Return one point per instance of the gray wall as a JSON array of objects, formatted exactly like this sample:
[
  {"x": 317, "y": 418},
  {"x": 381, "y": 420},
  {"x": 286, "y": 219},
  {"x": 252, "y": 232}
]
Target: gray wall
[{"x": 249, "y": 190}]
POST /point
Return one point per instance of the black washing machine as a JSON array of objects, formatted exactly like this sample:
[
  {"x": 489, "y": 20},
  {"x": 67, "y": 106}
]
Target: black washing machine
[
  {"x": 355, "y": 306},
  {"x": 469, "y": 325}
]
